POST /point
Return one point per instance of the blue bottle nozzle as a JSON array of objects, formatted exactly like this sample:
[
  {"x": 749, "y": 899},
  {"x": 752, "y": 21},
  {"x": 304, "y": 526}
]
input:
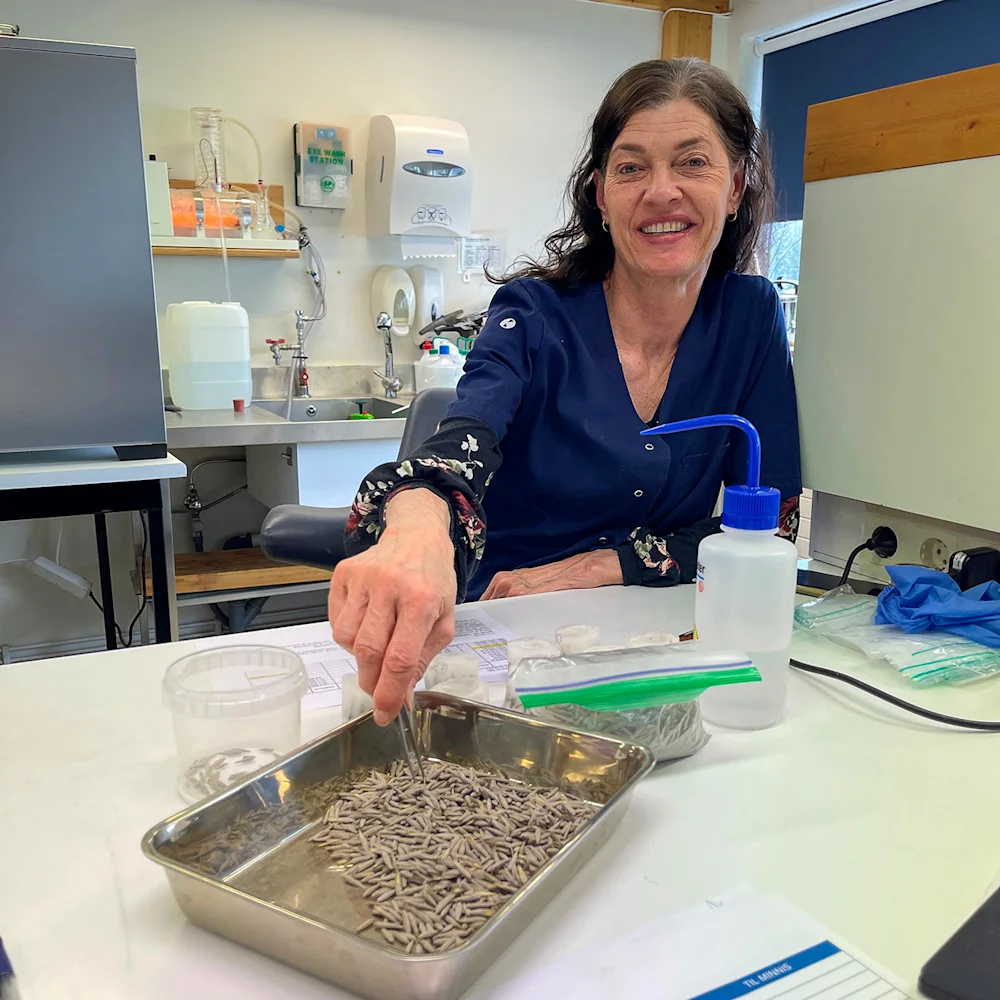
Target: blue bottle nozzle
[{"x": 751, "y": 507}]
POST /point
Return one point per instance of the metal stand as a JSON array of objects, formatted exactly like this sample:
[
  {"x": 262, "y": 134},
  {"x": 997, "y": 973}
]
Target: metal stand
[{"x": 98, "y": 499}]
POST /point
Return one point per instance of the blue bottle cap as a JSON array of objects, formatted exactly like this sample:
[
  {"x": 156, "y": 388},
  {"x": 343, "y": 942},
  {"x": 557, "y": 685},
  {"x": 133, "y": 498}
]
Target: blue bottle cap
[{"x": 752, "y": 508}]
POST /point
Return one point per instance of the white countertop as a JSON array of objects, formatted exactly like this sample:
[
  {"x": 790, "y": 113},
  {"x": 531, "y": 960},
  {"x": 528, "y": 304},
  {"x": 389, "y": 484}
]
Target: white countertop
[
  {"x": 82, "y": 467},
  {"x": 882, "y": 827}
]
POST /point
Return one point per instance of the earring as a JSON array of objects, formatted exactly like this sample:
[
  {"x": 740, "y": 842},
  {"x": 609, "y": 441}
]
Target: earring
[
  {"x": 732, "y": 218},
  {"x": 605, "y": 226}
]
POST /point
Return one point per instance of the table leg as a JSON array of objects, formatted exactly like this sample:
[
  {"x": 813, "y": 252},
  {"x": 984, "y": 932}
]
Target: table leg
[
  {"x": 104, "y": 565},
  {"x": 161, "y": 559}
]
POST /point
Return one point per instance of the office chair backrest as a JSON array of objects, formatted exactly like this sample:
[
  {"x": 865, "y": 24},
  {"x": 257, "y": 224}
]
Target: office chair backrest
[{"x": 425, "y": 413}]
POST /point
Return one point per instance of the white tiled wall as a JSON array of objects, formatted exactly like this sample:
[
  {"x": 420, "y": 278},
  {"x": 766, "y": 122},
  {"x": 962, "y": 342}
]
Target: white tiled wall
[{"x": 805, "y": 523}]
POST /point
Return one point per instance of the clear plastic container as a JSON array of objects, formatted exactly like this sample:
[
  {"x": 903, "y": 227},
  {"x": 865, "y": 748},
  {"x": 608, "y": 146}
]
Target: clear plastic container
[
  {"x": 354, "y": 701},
  {"x": 208, "y": 147},
  {"x": 469, "y": 688},
  {"x": 451, "y": 666},
  {"x": 207, "y": 349},
  {"x": 577, "y": 638},
  {"x": 236, "y": 709}
]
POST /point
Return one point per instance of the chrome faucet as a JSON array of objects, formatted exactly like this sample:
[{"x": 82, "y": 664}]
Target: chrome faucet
[
  {"x": 299, "y": 373},
  {"x": 391, "y": 382}
]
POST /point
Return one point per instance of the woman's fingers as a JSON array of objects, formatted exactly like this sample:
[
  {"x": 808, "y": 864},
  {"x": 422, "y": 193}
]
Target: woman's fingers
[
  {"x": 401, "y": 663},
  {"x": 371, "y": 643},
  {"x": 498, "y": 587},
  {"x": 347, "y": 611}
]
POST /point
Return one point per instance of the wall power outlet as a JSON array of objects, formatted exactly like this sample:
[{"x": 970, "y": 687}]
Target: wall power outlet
[
  {"x": 923, "y": 541},
  {"x": 839, "y": 524}
]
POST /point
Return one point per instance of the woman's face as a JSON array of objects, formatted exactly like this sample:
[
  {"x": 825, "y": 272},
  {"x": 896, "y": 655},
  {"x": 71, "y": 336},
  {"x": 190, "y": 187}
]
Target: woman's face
[{"x": 667, "y": 190}]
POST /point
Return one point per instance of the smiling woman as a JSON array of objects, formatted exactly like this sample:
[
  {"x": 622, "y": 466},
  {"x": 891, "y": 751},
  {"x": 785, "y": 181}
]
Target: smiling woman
[{"x": 640, "y": 312}]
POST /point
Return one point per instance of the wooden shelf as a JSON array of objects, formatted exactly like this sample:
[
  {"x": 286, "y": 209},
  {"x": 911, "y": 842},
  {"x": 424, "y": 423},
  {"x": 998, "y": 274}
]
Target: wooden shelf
[
  {"x": 237, "y": 569},
  {"x": 261, "y": 254},
  {"x": 276, "y": 249}
]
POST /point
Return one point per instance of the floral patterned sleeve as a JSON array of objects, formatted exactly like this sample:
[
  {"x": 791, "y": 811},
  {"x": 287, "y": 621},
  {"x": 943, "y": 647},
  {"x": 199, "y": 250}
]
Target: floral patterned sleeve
[
  {"x": 457, "y": 464},
  {"x": 650, "y": 560}
]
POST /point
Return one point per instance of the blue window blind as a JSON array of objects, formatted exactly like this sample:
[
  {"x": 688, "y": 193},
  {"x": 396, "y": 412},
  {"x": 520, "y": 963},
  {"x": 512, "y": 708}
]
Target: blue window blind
[{"x": 930, "y": 41}]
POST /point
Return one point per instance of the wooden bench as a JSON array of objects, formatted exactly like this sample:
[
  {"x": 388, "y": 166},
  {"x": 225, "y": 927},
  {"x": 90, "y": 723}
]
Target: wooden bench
[{"x": 239, "y": 569}]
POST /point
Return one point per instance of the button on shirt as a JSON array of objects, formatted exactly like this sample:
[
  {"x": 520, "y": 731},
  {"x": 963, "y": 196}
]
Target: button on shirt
[{"x": 576, "y": 475}]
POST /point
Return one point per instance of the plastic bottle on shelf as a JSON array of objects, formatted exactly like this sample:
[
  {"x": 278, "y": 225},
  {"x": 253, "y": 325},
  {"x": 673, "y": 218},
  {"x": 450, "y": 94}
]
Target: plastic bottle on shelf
[
  {"x": 425, "y": 369},
  {"x": 450, "y": 372},
  {"x": 745, "y": 597}
]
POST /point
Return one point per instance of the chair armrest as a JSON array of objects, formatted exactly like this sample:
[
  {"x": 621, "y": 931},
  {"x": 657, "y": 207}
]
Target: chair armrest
[{"x": 305, "y": 536}]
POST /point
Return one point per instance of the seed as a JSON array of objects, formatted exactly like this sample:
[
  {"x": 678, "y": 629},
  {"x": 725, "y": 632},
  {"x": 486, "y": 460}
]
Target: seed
[{"x": 439, "y": 858}]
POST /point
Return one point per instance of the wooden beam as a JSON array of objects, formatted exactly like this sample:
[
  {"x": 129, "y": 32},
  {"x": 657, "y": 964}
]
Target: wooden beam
[
  {"x": 686, "y": 35},
  {"x": 708, "y": 6},
  {"x": 940, "y": 120}
]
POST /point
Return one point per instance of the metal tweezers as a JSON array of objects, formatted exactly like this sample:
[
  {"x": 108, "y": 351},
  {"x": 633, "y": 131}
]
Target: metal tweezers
[{"x": 408, "y": 737}]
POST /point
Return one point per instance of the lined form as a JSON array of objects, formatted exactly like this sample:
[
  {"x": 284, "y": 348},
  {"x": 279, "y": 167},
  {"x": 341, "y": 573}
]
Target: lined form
[
  {"x": 740, "y": 946},
  {"x": 822, "y": 972},
  {"x": 327, "y": 663}
]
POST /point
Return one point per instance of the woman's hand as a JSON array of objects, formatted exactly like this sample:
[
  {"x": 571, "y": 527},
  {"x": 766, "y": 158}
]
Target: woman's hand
[
  {"x": 393, "y": 606},
  {"x": 599, "y": 568}
]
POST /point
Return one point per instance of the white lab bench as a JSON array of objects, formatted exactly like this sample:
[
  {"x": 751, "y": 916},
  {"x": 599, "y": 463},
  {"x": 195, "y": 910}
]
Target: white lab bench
[
  {"x": 881, "y": 826},
  {"x": 94, "y": 481}
]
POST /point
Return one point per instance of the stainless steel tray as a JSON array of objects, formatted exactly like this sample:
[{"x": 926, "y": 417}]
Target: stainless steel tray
[{"x": 242, "y": 864}]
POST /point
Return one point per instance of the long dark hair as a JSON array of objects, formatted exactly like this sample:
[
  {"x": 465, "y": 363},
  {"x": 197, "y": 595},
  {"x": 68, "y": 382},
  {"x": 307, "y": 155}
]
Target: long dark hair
[{"x": 582, "y": 251}]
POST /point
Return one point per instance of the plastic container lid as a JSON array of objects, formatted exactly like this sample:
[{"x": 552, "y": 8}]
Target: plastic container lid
[
  {"x": 470, "y": 688},
  {"x": 444, "y": 349},
  {"x": 234, "y": 681}
]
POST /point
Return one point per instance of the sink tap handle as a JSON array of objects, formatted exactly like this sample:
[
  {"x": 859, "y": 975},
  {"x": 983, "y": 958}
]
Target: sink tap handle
[{"x": 276, "y": 348}]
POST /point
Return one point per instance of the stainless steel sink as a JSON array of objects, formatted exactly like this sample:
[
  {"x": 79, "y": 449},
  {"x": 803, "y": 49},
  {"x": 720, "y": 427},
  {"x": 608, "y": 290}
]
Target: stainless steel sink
[{"x": 336, "y": 409}]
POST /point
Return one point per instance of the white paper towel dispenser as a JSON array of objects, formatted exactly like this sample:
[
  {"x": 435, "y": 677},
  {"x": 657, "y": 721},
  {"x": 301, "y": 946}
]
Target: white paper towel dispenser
[{"x": 418, "y": 183}]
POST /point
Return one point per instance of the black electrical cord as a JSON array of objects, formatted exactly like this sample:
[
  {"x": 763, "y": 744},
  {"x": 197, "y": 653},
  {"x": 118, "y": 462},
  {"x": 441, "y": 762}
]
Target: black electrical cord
[
  {"x": 142, "y": 577},
  {"x": 100, "y": 607},
  {"x": 126, "y": 644},
  {"x": 981, "y": 725},
  {"x": 850, "y": 561},
  {"x": 882, "y": 542}
]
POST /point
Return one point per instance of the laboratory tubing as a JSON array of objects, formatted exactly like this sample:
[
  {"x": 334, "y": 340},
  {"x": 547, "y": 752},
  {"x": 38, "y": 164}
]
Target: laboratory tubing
[
  {"x": 745, "y": 596},
  {"x": 577, "y": 638},
  {"x": 451, "y": 666},
  {"x": 235, "y": 710}
]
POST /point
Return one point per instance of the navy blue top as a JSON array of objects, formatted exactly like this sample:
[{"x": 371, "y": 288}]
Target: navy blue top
[{"x": 545, "y": 376}]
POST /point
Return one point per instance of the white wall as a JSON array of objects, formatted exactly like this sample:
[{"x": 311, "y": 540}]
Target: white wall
[{"x": 523, "y": 76}]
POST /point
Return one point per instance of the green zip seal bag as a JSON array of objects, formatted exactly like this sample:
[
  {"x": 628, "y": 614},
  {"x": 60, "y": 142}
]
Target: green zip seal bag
[{"x": 646, "y": 695}]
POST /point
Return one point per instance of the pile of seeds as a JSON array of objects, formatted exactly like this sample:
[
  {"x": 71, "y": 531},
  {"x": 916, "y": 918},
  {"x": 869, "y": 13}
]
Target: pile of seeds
[
  {"x": 216, "y": 772},
  {"x": 437, "y": 858}
]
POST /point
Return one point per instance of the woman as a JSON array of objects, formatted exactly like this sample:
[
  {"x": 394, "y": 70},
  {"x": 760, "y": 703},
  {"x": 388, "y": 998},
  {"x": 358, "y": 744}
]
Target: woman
[{"x": 538, "y": 480}]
